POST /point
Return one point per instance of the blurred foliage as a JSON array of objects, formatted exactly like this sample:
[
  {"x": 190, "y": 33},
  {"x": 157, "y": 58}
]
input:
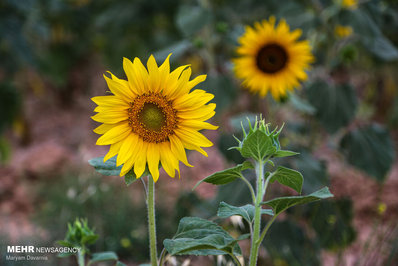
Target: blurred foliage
[
  {"x": 335, "y": 106},
  {"x": 370, "y": 149},
  {"x": 289, "y": 245},
  {"x": 121, "y": 229}
]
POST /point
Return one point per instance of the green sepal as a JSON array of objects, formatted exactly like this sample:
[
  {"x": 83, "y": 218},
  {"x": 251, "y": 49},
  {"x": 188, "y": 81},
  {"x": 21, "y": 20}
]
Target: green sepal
[{"x": 285, "y": 153}]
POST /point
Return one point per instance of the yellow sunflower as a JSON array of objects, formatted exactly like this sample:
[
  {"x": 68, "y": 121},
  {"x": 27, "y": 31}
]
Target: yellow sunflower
[
  {"x": 152, "y": 117},
  {"x": 343, "y": 31},
  {"x": 271, "y": 58},
  {"x": 350, "y": 4}
]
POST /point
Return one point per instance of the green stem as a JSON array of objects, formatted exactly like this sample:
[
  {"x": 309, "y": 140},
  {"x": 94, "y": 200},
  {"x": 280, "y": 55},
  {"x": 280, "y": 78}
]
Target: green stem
[
  {"x": 80, "y": 258},
  {"x": 249, "y": 186},
  {"x": 268, "y": 225},
  {"x": 257, "y": 215},
  {"x": 235, "y": 259},
  {"x": 151, "y": 221},
  {"x": 162, "y": 256}
]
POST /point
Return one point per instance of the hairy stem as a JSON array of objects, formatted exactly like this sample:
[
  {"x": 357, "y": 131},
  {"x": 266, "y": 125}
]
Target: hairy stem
[
  {"x": 80, "y": 257},
  {"x": 257, "y": 215},
  {"x": 151, "y": 221}
]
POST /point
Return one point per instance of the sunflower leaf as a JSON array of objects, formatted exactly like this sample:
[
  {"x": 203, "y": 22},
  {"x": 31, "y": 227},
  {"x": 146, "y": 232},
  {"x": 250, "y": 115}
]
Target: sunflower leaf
[
  {"x": 107, "y": 168},
  {"x": 335, "y": 106},
  {"x": 247, "y": 211},
  {"x": 104, "y": 256},
  {"x": 197, "y": 236},
  {"x": 288, "y": 177},
  {"x": 370, "y": 149},
  {"x": 281, "y": 204},
  {"x": 226, "y": 176}
]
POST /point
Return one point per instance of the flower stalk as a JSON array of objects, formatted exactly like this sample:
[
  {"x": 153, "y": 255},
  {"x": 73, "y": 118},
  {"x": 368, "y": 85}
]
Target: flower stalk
[
  {"x": 257, "y": 215},
  {"x": 151, "y": 221},
  {"x": 80, "y": 258}
]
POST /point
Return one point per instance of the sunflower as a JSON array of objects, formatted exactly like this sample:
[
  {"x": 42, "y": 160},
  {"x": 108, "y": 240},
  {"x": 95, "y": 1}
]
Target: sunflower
[
  {"x": 152, "y": 117},
  {"x": 342, "y": 31},
  {"x": 271, "y": 58},
  {"x": 350, "y": 4}
]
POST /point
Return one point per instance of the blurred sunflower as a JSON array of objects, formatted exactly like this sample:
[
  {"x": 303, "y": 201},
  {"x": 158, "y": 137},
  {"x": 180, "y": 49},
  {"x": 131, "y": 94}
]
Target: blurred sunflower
[
  {"x": 272, "y": 59},
  {"x": 152, "y": 117},
  {"x": 350, "y": 4},
  {"x": 343, "y": 31}
]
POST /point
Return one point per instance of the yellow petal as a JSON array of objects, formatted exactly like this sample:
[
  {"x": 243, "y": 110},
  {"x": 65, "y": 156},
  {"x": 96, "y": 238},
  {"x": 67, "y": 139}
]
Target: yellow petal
[
  {"x": 115, "y": 134},
  {"x": 105, "y": 109},
  {"x": 153, "y": 157},
  {"x": 172, "y": 80},
  {"x": 167, "y": 159},
  {"x": 128, "y": 146},
  {"x": 113, "y": 150},
  {"x": 193, "y": 137},
  {"x": 119, "y": 89},
  {"x": 109, "y": 100},
  {"x": 133, "y": 158},
  {"x": 111, "y": 117},
  {"x": 178, "y": 88},
  {"x": 140, "y": 163},
  {"x": 164, "y": 70},
  {"x": 103, "y": 128},
  {"x": 154, "y": 76},
  {"x": 135, "y": 82},
  {"x": 177, "y": 148},
  {"x": 142, "y": 75},
  {"x": 197, "y": 125},
  {"x": 200, "y": 114},
  {"x": 193, "y": 100}
]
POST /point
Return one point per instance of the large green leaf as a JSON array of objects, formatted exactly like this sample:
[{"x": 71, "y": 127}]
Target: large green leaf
[
  {"x": 283, "y": 203},
  {"x": 257, "y": 145},
  {"x": 196, "y": 236},
  {"x": 191, "y": 19},
  {"x": 247, "y": 211},
  {"x": 106, "y": 168},
  {"x": 288, "y": 244},
  {"x": 314, "y": 171},
  {"x": 226, "y": 176},
  {"x": 103, "y": 256},
  {"x": 335, "y": 106},
  {"x": 288, "y": 177},
  {"x": 333, "y": 222},
  {"x": 9, "y": 104},
  {"x": 371, "y": 36},
  {"x": 370, "y": 149},
  {"x": 109, "y": 168}
]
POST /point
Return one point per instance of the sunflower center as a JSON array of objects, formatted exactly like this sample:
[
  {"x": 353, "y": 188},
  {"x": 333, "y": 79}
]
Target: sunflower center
[
  {"x": 271, "y": 58},
  {"x": 152, "y": 117}
]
